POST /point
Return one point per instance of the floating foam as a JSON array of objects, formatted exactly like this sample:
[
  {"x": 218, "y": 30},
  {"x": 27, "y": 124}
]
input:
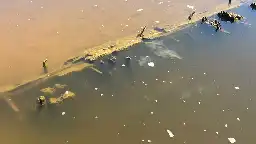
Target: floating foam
[
  {"x": 190, "y": 6},
  {"x": 151, "y": 64},
  {"x": 170, "y": 133},
  {"x": 232, "y": 140},
  {"x": 139, "y": 10},
  {"x": 144, "y": 60}
]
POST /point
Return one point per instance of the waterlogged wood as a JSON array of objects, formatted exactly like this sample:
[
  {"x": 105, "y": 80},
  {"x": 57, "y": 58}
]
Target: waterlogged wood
[
  {"x": 60, "y": 86},
  {"x": 96, "y": 70},
  {"x": 12, "y": 104}
]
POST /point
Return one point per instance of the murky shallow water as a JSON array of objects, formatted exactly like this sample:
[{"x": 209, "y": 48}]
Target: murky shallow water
[{"x": 191, "y": 91}]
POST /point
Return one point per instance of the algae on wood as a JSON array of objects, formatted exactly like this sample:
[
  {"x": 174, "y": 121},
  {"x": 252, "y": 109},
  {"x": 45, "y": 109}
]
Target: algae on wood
[
  {"x": 48, "y": 90},
  {"x": 73, "y": 69},
  {"x": 66, "y": 95}
]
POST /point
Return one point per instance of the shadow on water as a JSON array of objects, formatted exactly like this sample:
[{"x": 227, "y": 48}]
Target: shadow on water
[{"x": 200, "y": 87}]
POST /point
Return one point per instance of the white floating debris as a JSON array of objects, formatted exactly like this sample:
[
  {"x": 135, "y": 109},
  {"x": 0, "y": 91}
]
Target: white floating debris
[
  {"x": 143, "y": 124},
  {"x": 96, "y": 88},
  {"x": 143, "y": 140},
  {"x": 218, "y": 94},
  {"x": 237, "y": 88},
  {"x": 151, "y": 113},
  {"x": 190, "y": 6},
  {"x": 199, "y": 102},
  {"x": 170, "y": 82},
  {"x": 194, "y": 111},
  {"x": 247, "y": 108},
  {"x": 112, "y": 95},
  {"x": 123, "y": 65},
  {"x": 101, "y": 94},
  {"x": 151, "y": 64},
  {"x": 170, "y": 133},
  {"x": 226, "y": 125},
  {"x": 223, "y": 110},
  {"x": 149, "y": 141},
  {"x": 66, "y": 92},
  {"x": 42, "y": 7},
  {"x": 102, "y": 25},
  {"x": 31, "y": 1},
  {"x": 143, "y": 82},
  {"x": 184, "y": 123},
  {"x": 238, "y": 119},
  {"x": 96, "y": 117},
  {"x": 139, "y": 10},
  {"x": 126, "y": 25},
  {"x": 159, "y": 122},
  {"x": 168, "y": 71},
  {"x": 163, "y": 81},
  {"x": 124, "y": 125},
  {"x": 146, "y": 84},
  {"x": 184, "y": 101},
  {"x": 95, "y": 5},
  {"x": 126, "y": 0},
  {"x": 17, "y": 25},
  {"x": 160, "y": 2},
  {"x": 204, "y": 130},
  {"x": 156, "y": 101},
  {"x": 232, "y": 140},
  {"x": 192, "y": 78},
  {"x": 63, "y": 113},
  {"x": 57, "y": 32},
  {"x": 29, "y": 19},
  {"x": 157, "y": 22},
  {"x": 204, "y": 73},
  {"x": 156, "y": 79},
  {"x": 217, "y": 133}
]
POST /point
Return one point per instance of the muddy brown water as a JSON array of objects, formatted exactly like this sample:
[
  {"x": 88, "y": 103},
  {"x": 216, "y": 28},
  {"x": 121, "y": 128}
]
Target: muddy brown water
[
  {"x": 201, "y": 88},
  {"x": 32, "y": 30}
]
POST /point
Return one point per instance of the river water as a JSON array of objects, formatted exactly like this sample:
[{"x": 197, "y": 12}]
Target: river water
[
  {"x": 195, "y": 86},
  {"x": 33, "y": 30}
]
